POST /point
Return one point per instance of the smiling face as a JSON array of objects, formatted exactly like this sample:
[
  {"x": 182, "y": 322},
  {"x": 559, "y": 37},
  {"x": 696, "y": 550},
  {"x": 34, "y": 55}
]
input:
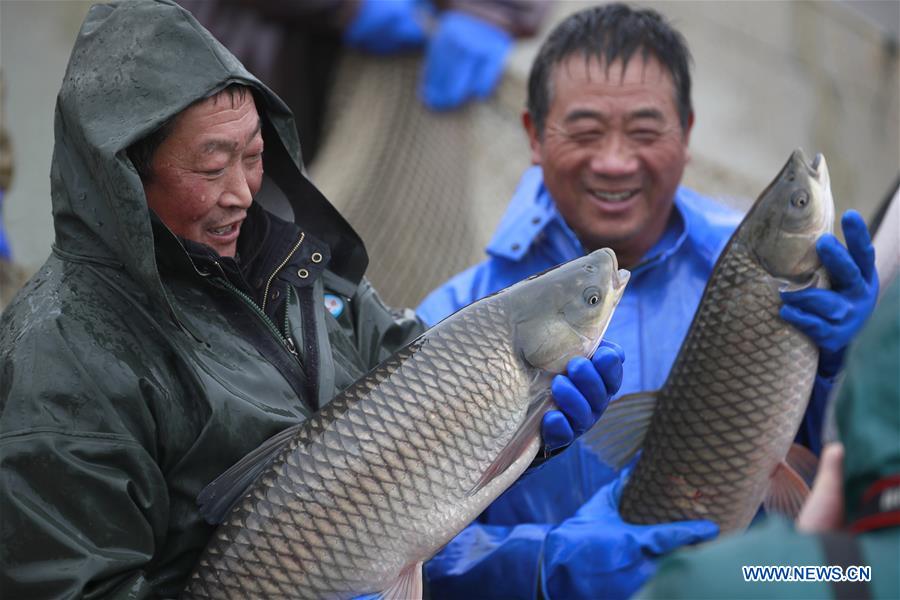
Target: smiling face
[
  {"x": 612, "y": 151},
  {"x": 206, "y": 172}
]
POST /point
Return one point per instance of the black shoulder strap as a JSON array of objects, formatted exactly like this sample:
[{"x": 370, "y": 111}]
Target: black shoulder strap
[{"x": 842, "y": 549}]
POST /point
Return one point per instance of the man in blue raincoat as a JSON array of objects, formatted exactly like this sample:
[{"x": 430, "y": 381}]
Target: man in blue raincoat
[{"x": 609, "y": 119}]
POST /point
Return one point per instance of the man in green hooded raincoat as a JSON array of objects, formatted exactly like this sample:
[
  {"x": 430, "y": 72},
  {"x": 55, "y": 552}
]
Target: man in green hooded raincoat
[
  {"x": 155, "y": 348},
  {"x": 858, "y": 523},
  {"x": 137, "y": 365}
]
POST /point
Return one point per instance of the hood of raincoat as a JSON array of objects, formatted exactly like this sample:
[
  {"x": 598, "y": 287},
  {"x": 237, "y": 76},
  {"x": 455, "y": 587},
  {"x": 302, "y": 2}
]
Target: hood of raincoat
[{"x": 134, "y": 66}]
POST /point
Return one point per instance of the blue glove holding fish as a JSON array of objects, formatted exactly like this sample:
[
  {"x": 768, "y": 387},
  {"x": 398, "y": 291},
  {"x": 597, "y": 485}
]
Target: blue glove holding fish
[
  {"x": 464, "y": 60},
  {"x": 595, "y": 554},
  {"x": 582, "y": 395},
  {"x": 832, "y": 318},
  {"x": 383, "y": 27}
]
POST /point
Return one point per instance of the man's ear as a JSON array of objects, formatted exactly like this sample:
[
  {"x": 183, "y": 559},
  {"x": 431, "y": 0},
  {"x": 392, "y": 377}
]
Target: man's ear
[
  {"x": 688, "y": 127},
  {"x": 533, "y": 137},
  {"x": 686, "y": 134}
]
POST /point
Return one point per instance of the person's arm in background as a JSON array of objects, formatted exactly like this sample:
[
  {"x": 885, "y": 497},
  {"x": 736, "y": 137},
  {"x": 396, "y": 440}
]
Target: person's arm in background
[
  {"x": 592, "y": 554},
  {"x": 466, "y": 52},
  {"x": 832, "y": 318}
]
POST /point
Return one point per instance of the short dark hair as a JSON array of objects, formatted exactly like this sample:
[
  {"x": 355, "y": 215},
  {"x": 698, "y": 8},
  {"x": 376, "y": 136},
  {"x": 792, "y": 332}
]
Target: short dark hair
[
  {"x": 610, "y": 32},
  {"x": 141, "y": 152}
]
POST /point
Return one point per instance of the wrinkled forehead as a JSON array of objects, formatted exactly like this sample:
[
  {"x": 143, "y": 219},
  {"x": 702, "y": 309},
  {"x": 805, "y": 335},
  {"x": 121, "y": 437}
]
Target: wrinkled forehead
[
  {"x": 234, "y": 98},
  {"x": 224, "y": 114},
  {"x": 587, "y": 77},
  {"x": 639, "y": 67}
]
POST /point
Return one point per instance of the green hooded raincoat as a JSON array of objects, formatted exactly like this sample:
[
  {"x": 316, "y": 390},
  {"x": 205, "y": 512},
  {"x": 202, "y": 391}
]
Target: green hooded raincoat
[{"x": 135, "y": 366}]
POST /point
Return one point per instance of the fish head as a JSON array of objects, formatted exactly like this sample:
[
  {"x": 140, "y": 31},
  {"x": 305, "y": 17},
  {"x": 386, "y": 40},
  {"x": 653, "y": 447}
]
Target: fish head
[
  {"x": 564, "y": 312},
  {"x": 790, "y": 215}
]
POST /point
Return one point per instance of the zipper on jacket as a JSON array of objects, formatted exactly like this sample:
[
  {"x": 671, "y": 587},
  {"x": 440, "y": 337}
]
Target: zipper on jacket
[
  {"x": 289, "y": 341},
  {"x": 278, "y": 268},
  {"x": 285, "y": 340}
]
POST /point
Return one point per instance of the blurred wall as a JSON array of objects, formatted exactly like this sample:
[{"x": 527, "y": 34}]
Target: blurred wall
[
  {"x": 35, "y": 40},
  {"x": 769, "y": 76}
]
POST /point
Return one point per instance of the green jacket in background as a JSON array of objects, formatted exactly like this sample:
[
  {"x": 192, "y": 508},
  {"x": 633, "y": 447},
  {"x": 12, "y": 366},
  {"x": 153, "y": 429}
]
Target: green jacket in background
[
  {"x": 868, "y": 422},
  {"x": 135, "y": 366}
]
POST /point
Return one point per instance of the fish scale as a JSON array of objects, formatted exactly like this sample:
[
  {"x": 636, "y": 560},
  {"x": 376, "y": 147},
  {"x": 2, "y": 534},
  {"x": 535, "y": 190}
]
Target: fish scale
[
  {"x": 714, "y": 440},
  {"x": 374, "y": 424}
]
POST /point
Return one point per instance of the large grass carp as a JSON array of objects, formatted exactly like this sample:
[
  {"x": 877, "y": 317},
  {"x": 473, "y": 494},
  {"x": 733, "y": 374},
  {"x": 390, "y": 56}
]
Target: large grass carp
[
  {"x": 359, "y": 496},
  {"x": 717, "y": 438}
]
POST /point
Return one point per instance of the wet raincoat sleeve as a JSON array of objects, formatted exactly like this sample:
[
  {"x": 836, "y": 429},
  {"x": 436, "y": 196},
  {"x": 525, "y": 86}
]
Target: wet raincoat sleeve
[{"x": 84, "y": 504}]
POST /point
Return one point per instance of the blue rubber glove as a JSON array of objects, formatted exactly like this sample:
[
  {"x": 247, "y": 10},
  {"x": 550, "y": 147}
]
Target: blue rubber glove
[
  {"x": 4, "y": 245},
  {"x": 582, "y": 395},
  {"x": 595, "y": 554},
  {"x": 386, "y": 26},
  {"x": 464, "y": 60},
  {"x": 831, "y": 318}
]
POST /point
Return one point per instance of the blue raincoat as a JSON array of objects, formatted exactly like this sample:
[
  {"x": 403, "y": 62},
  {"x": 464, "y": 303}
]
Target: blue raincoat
[{"x": 500, "y": 554}]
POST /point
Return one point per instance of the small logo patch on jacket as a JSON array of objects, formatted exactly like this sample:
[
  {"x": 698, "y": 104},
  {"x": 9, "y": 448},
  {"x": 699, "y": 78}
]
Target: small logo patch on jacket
[{"x": 334, "y": 305}]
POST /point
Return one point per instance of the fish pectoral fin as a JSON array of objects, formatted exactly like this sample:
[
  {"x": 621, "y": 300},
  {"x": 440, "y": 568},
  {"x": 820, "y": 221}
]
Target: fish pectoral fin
[
  {"x": 787, "y": 492},
  {"x": 407, "y": 586},
  {"x": 804, "y": 462},
  {"x": 520, "y": 442},
  {"x": 217, "y": 498},
  {"x": 620, "y": 432}
]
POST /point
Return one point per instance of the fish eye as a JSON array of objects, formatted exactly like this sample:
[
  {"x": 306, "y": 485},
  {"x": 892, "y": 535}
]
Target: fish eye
[
  {"x": 800, "y": 198},
  {"x": 592, "y": 296}
]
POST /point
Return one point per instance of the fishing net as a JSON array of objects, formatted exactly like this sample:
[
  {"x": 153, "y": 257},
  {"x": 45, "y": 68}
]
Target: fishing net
[{"x": 423, "y": 189}]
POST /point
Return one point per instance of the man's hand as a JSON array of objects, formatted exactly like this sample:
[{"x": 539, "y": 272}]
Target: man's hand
[
  {"x": 582, "y": 395},
  {"x": 464, "y": 60},
  {"x": 824, "y": 507},
  {"x": 831, "y": 318},
  {"x": 385, "y": 27},
  {"x": 596, "y": 550}
]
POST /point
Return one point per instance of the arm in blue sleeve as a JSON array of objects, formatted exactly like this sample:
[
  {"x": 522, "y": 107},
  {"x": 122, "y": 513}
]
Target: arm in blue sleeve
[
  {"x": 596, "y": 554},
  {"x": 490, "y": 561}
]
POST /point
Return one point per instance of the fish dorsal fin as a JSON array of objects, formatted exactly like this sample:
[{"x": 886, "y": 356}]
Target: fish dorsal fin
[
  {"x": 804, "y": 462},
  {"x": 787, "y": 492},
  {"x": 620, "y": 432},
  {"x": 217, "y": 498},
  {"x": 520, "y": 442},
  {"x": 407, "y": 586}
]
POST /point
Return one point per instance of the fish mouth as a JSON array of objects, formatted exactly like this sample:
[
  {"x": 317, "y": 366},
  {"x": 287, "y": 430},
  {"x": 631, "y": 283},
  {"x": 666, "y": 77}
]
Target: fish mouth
[
  {"x": 817, "y": 167},
  {"x": 620, "y": 277},
  {"x": 817, "y": 160},
  {"x": 820, "y": 167}
]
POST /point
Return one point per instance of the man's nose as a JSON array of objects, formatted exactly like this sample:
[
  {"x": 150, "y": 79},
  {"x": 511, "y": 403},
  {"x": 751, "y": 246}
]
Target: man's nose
[
  {"x": 237, "y": 192},
  {"x": 615, "y": 157}
]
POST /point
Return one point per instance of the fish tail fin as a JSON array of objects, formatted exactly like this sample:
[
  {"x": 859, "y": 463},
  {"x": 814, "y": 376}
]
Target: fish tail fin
[
  {"x": 217, "y": 498},
  {"x": 407, "y": 586},
  {"x": 787, "y": 488},
  {"x": 621, "y": 430},
  {"x": 523, "y": 438}
]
